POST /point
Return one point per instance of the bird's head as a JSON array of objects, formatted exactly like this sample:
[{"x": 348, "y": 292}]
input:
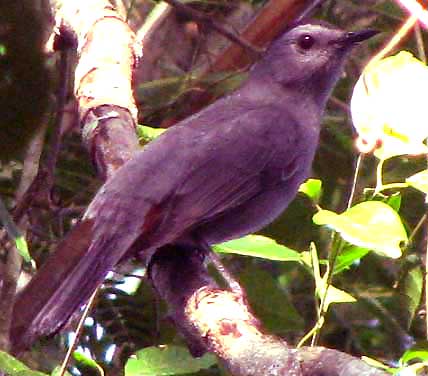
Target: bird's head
[{"x": 309, "y": 56}]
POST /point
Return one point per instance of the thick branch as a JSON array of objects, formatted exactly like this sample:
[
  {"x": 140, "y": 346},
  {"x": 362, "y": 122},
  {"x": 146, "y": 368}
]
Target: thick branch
[
  {"x": 217, "y": 320},
  {"x": 107, "y": 54}
]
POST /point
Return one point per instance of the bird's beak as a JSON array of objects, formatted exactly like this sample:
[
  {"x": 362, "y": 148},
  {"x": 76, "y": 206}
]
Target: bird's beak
[{"x": 354, "y": 37}]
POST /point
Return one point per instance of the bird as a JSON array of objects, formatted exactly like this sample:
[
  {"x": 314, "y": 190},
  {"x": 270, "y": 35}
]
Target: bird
[{"x": 224, "y": 172}]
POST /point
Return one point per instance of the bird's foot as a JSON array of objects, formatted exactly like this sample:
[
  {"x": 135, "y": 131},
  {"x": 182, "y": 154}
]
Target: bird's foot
[{"x": 230, "y": 280}]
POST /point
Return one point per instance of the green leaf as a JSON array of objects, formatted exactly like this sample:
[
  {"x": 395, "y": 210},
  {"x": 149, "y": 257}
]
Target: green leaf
[
  {"x": 312, "y": 188},
  {"x": 348, "y": 257},
  {"x": 419, "y": 181},
  {"x": 22, "y": 247},
  {"x": 57, "y": 372},
  {"x": 375, "y": 363},
  {"x": 412, "y": 290},
  {"x": 148, "y": 134},
  {"x": 87, "y": 362},
  {"x": 411, "y": 370},
  {"x": 14, "y": 233},
  {"x": 258, "y": 246},
  {"x": 371, "y": 224},
  {"x": 13, "y": 367},
  {"x": 166, "y": 360},
  {"x": 270, "y": 301},
  {"x": 412, "y": 354},
  {"x": 394, "y": 201},
  {"x": 334, "y": 295}
]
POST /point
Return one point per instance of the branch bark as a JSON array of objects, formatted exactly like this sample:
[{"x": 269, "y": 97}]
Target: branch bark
[{"x": 103, "y": 77}]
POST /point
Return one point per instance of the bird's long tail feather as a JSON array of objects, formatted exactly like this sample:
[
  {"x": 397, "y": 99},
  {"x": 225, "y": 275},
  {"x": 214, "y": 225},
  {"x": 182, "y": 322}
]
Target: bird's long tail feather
[{"x": 64, "y": 283}]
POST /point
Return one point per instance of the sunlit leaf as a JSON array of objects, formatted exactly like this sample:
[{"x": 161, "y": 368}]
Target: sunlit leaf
[
  {"x": 413, "y": 362},
  {"x": 148, "y": 134},
  {"x": 419, "y": 181},
  {"x": 334, "y": 295},
  {"x": 374, "y": 363},
  {"x": 57, "y": 372},
  {"x": 312, "y": 188},
  {"x": 13, "y": 367},
  {"x": 258, "y": 246},
  {"x": 22, "y": 247},
  {"x": 14, "y": 233},
  {"x": 394, "y": 201},
  {"x": 411, "y": 288},
  {"x": 412, "y": 354},
  {"x": 371, "y": 224},
  {"x": 389, "y": 108},
  {"x": 166, "y": 360},
  {"x": 348, "y": 257},
  {"x": 87, "y": 362},
  {"x": 411, "y": 370},
  {"x": 324, "y": 291}
]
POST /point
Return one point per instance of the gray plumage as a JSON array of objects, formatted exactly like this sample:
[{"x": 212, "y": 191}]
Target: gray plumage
[{"x": 226, "y": 171}]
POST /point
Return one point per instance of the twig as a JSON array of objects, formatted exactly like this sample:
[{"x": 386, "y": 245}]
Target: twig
[
  {"x": 420, "y": 43},
  {"x": 61, "y": 97},
  {"x": 354, "y": 182},
  {"x": 31, "y": 161},
  {"x": 426, "y": 279},
  {"x": 418, "y": 227},
  {"x": 10, "y": 274},
  {"x": 422, "y": 56},
  {"x": 44, "y": 177},
  {"x": 78, "y": 332},
  {"x": 150, "y": 25},
  {"x": 398, "y": 36},
  {"x": 213, "y": 24}
]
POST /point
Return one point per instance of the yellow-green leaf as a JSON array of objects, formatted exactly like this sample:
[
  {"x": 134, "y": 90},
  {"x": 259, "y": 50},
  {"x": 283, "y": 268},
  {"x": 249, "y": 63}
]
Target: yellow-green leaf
[
  {"x": 84, "y": 361},
  {"x": 147, "y": 134},
  {"x": 14, "y": 367},
  {"x": 410, "y": 289},
  {"x": 14, "y": 233},
  {"x": 166, "y": 360},
  {"x": 334, "y": 295},
  {"x": 371, "y": 224},
  {"x": 258, "y": 246},
  {"x": 389, "y": 108},
  {"x": 312, "y": 188},
  {"x": 22, "y": 247},
  {"x": 419, "y": 181}
]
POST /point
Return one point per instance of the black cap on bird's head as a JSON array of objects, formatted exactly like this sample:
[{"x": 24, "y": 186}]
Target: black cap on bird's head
[{"x": 309, "y": 56}]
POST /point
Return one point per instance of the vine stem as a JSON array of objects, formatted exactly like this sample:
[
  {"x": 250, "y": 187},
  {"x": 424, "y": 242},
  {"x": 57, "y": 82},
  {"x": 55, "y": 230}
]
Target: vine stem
[
  {"x": 78, "y": 332},
  {"x": 355, "y": 179},
  {"x": 422, "y": 56},
  {"x": 398, "y": 36},
  {"x": 337, "y": 246}
]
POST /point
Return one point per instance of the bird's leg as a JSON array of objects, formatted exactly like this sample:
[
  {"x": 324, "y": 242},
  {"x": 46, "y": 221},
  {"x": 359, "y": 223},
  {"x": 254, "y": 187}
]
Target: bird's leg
[{"x": 221, "y": 269}]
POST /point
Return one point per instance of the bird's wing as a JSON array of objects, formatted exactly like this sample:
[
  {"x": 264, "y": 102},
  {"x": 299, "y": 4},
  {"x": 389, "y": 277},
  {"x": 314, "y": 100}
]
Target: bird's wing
[
  {"x": 193, "y": 171},
  {"x": 214, "y": 171}
]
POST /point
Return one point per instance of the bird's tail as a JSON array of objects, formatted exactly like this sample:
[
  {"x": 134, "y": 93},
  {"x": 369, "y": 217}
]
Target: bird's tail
[{"x": 64, "y": 283}]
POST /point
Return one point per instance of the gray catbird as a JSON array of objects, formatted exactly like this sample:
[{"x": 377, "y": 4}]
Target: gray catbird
[{"x": 225, "y": 172}]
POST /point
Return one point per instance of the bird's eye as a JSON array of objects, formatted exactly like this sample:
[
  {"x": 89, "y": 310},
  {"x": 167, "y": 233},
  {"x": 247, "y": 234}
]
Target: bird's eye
[{"x": 306, "y": 42}]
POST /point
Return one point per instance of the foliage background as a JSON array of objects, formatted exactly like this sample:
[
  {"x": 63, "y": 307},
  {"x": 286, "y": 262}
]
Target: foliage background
[{"x": 385, "y": 321}]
